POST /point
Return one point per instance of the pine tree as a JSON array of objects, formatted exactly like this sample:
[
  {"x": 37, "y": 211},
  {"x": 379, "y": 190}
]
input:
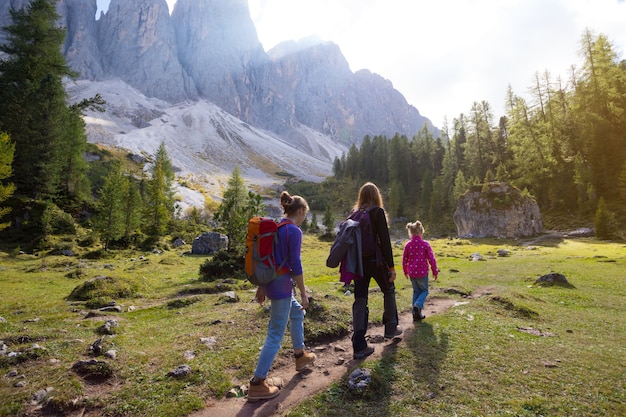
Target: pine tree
[
  {"x": 131, "y": 208},
  {"x": 329, "y": 220},
  {"x": 159, "y": 198},
  {"x": 33, "y": 108},
  {"x": 238, "y": 205},
  {"x": 109, "y": 222},
  {"x": 603, "y": 221},
  {"x": 6, "y": 190}
]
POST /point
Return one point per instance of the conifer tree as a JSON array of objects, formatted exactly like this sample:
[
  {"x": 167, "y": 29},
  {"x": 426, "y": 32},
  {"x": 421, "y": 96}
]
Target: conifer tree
[
  {"x": 238, "y": 205},
  {"x": 33, "y": 108},
  {"x": 6, "y": 189},
  {"x": 329, "y": 220},
  {"x": 131, "y": 208},
  {"x": 159, "y": 196},
  {"x": 109, "y": 222}
]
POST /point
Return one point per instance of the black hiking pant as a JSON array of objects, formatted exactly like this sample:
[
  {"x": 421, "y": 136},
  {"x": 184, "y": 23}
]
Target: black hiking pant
[{"x": 360, "y": 310}]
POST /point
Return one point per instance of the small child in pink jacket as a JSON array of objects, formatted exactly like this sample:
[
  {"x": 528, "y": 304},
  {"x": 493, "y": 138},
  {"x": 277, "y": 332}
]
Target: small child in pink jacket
[{"x": 416, "y": 257}]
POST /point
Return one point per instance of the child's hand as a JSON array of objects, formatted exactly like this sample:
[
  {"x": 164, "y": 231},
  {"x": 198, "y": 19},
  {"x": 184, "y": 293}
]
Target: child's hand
[{"x": 435, "y": 277}]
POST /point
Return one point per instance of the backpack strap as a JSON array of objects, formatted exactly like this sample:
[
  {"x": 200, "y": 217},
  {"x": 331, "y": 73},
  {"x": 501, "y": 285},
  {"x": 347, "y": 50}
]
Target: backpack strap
[{"x": 280, "y": 268}]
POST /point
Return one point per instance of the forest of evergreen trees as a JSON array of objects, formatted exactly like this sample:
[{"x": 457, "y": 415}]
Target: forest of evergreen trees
[
  {"x": 566, "y": 146},
  {"x": 46, "y": 185}
]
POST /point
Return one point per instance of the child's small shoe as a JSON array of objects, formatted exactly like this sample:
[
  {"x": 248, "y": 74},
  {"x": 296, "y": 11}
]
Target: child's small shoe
[{"x": 417, "y": 314}]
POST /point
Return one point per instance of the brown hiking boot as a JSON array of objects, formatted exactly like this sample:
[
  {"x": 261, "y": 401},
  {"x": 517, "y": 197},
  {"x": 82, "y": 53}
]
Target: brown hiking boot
[
  {"x": 261, "y": 391},
  {"x": 305, "y": 360}
]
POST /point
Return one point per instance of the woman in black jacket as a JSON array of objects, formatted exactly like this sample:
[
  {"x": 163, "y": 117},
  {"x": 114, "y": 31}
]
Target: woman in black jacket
[{"x": 378, "y": 266}]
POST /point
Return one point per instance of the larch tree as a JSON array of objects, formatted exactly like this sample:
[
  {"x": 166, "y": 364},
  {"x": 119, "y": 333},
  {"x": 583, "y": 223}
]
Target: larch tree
[
  {"x": 109, "y": 222},
  {"x": 238, "y": 205},
  {"x": 159, "y": 200}
]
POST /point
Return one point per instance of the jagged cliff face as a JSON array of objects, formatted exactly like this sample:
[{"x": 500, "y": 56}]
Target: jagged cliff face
[
  {"x": 497, "y": 210},
  {"x": 209, "y": 49}
]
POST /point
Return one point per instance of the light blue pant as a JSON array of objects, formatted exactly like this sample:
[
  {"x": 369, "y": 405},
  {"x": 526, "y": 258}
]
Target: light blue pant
[
  {"x": 282, "y": 311},
  {"x": 420, "y": 291}
]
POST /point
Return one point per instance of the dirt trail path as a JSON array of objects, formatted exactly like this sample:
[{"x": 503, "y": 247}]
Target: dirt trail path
[{"x": 334, "y": 360}]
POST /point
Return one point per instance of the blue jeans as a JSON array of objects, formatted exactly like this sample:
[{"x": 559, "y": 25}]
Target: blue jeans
[
  {"x": 282, "y": 311},
  {"x": 420, "y": 291}
]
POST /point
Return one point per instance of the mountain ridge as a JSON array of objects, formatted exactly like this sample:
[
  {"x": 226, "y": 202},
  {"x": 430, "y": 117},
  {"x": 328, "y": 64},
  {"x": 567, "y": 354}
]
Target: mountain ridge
[{"x": 301, "y": 94}]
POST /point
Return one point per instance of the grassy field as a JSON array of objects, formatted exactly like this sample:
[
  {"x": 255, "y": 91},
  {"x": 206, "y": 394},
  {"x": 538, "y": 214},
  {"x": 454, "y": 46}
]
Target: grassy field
[{"x": 522, "y": 350}]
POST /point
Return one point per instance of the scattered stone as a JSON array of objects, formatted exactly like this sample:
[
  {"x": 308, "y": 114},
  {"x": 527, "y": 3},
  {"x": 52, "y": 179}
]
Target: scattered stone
[
  {"x": 189, "y": 355},
  {"x": 40, "y": 396},
  {"x": 20, "y": 384},
  {"x": 209, "y": 341},
  {"x": 115, "y": 309},
  {"x": 535, "y": 332},
  {"x": 108, "y": 328},
  {"x": 229, "y": 297},
  {"x": 339, "y": 348},
  {"x": 111, "y": 354},
  {"x": 209, "y": 243},
  {"x": 359, "y": 379},
  {"x": 93, "y": 369},
  {"x": 503, "y": 253},
  {"x": 35, "y": 320},
  {"x": 181, "y": 372},
  {"x": 178, "y": 243},
  {"x": 233, "y": 393},
  {"x": 2, "y": 320},
  {"x": 11, "y": 374},
  {"x": 548, "y": 364},
  {"x": 96, "y": 347},
  {"x": 476, "y": 257},
  {"x": 553, "y": 278},
  {"x": 581, "y": 232}
]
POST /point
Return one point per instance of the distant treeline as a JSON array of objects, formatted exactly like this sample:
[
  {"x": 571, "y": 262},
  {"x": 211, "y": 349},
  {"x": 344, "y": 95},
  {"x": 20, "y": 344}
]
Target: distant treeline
[{"x": 566, "y": 146}]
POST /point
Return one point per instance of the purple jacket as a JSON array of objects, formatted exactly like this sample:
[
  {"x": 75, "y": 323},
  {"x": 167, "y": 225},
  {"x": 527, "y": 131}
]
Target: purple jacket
[
  {"x": 416, "y": 257},
  {"x": 288, "y": 245}
]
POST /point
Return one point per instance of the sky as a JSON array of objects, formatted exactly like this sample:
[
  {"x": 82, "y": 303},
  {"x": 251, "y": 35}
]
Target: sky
[{"x": 444, "y": 55}]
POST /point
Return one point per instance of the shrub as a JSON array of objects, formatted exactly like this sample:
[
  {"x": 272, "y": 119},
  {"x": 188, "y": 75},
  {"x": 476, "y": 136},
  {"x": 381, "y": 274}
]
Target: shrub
[
  {"x": 104, "y": 287},
  {"x": 224, "y": 264}
]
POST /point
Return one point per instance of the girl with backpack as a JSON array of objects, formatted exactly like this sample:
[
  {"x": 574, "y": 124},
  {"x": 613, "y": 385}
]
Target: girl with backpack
[
  {"x": 284, "y": 307},
  {"x": 378, "y": 266}
]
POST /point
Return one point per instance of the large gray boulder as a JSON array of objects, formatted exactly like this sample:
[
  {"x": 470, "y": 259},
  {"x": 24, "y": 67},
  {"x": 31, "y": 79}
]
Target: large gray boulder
[
  {"x": 498, "y": 210},
  {"x": 209, "y": 243}
]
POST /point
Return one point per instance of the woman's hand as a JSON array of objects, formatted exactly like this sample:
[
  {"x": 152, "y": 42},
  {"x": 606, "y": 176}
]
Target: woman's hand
[
  {"x": 305, "y": 301},
  {"x": 392, "y": 275},
  {"x": 260, "y": 295}
]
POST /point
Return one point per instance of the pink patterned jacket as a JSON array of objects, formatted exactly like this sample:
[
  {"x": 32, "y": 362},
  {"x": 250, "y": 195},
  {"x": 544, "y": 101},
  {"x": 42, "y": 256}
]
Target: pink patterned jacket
[{"x": 416, "y": 257}]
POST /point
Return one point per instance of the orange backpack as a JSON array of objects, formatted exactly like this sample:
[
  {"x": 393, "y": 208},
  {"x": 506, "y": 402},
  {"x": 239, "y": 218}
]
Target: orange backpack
[{"x": 260, "y": 265}]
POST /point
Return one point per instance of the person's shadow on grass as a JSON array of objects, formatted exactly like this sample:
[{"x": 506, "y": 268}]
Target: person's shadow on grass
[{"x": 430, "y": 350}]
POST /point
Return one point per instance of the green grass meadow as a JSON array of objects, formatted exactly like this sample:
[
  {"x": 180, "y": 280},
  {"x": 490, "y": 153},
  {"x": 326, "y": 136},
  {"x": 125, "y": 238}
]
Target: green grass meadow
[{"x": 520, "y": 350}]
